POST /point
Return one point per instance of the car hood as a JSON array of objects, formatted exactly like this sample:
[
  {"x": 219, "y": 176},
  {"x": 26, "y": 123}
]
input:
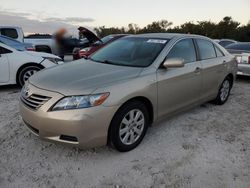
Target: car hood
[
  {"x": 41, "y": 54},
  {"x": 88, "y": 34},
  {"x": 81, "y": 77}
]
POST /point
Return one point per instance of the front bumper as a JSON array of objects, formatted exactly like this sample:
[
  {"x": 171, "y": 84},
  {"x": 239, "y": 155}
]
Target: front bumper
[
  {"x": 243, "y": 69},
  {"x": 85, "y": 128}
]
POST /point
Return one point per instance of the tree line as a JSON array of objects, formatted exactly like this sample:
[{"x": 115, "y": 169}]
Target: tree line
[{"x": 227, "y": 28}]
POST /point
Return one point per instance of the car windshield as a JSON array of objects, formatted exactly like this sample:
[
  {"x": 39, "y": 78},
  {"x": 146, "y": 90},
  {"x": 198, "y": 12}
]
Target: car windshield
[
  {"x": 132, "y": 51},
  {"x": 11, "y": 42}
]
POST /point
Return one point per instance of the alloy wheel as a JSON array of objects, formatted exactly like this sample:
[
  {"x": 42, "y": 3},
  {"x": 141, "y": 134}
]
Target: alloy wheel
[
  {"x": 131, "y": 127},
  {"x": 225, "y": 89},
  {"x": 28, "y": 74}
]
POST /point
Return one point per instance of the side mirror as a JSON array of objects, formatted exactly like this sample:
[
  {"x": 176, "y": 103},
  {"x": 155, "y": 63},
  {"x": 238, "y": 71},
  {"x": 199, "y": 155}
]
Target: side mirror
[{"x": 173, "y": 63}]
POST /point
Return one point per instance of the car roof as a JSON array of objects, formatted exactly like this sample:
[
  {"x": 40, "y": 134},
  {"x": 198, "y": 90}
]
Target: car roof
[
  {"x": 231, "y": 40},
  {"x": 166, "y": 35},
  {"x": 11, "y": 27},
  {"x": 117, "y": 35},
  {"x": 240, "y": 44}
]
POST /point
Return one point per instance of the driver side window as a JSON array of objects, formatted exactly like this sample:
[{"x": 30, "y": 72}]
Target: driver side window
[{"x": 183, "y": 49}]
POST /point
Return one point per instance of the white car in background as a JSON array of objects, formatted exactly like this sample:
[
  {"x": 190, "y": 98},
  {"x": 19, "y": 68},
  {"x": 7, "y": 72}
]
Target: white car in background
[
  {"x": 42, "y": 43},
  {"x": 17, "y": 66},
  {"x": 241, "y": 50}
]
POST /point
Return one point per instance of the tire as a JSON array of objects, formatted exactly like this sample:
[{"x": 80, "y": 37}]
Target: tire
[
  {"x": 124, "y": 128},
  {"x": 25, "y": 73},
  {"x": 224, "y": 91}
]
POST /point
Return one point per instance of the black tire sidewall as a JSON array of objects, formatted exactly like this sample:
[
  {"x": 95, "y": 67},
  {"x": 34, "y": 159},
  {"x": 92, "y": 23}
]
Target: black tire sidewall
[
  {"x": 115, "y": 125},
  {"x": 23, "y": 71}
]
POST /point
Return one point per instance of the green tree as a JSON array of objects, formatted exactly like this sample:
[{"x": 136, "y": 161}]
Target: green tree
[
  {"x": 133, "y": 29},
  {"x": 103, "y": 31},
  {"x": 243, "y": 33},
  {"x": 226, "y": 28},
  {"x": 156, "y": 27}
]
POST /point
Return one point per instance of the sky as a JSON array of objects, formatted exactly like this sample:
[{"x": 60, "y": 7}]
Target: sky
[{"x": 45, "y": 16}]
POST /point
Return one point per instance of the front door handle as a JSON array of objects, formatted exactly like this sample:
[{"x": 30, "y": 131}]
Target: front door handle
[
  {"x": 224, "y": 63},
  {"x": 197, "y": 70}
]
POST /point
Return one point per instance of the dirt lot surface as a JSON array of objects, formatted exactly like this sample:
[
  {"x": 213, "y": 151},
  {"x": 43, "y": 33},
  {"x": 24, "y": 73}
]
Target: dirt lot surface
[{"x": 208, "y": 146}]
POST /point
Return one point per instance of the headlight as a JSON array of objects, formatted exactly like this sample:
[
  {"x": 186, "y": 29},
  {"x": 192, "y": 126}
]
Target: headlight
[
  {"x": 85, "y": 49},
  {"x": 53, "y": 60},
  {"x": 77, "y": 102}
]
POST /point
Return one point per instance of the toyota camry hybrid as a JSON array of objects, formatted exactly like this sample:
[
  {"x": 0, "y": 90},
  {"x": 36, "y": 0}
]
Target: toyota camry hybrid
[{"x": 113, "y": 97}]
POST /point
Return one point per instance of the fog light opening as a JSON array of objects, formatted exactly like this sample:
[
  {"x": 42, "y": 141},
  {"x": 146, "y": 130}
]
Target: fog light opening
[{"x": 68, "y": 138}]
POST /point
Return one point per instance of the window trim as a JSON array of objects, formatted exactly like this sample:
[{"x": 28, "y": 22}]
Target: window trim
[
  {"x": 198, "y": 49},
  {"x": 215, "y": 47}
]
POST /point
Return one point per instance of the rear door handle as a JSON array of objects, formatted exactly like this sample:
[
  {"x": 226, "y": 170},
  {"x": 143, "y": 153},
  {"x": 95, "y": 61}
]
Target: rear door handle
[{"x": 197, "y": 70}]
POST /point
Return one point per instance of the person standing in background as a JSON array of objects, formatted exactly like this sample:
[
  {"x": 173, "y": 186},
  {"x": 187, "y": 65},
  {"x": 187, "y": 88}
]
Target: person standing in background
[{"x": 59, "y": 38}]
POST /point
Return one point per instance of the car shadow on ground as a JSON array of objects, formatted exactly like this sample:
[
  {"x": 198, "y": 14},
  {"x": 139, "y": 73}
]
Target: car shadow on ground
[
  {"x": 10, "y": 88},
  {"x": 243, "y": 79}
]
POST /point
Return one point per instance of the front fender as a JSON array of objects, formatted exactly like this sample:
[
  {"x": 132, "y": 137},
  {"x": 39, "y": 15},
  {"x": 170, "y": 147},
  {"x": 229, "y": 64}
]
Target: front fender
[{"x": 123, "y": 91}]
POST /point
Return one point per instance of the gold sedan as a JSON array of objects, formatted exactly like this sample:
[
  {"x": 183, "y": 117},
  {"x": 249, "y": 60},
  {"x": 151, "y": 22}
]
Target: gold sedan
[{"x": 114, "y": 96}]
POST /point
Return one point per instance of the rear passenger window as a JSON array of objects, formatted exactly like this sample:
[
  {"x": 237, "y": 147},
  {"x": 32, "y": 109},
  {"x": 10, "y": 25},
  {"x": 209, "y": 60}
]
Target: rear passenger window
[
  {"x": 206, "y": 49},
  {"x": 8, "y": 32},
  {"x": 218, "y": 52},
  {"x": 183, "y": 49}
]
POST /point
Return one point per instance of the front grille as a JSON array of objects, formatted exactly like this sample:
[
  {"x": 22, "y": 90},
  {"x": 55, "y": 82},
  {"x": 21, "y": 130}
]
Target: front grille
[{"x": 34, "y": 101}]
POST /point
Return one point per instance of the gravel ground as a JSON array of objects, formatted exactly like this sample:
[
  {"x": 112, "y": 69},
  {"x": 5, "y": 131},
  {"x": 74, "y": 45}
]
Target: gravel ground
[{"x": 208, "y": 146}]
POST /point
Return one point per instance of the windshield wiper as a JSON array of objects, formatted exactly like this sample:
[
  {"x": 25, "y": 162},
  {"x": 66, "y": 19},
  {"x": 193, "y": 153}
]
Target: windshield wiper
[
  {"x": 89, "y": 58},
  {"x": 104, "y": 61},
  {"x": 109, "y": 62}
]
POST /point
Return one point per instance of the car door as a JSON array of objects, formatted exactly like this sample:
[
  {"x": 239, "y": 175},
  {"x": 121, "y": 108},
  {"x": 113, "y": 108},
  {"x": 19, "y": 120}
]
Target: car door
[
  {"x": 4, "y": 65},
  {"x": 179, "y": 87},
  {"x": 212, "y": 67}
]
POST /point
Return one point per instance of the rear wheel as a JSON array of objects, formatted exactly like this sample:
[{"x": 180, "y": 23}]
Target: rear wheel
[
  {"x": 224, "y": 91},
  {"x": 25, "y": 73},
  {"x": 129, "y": 126}
]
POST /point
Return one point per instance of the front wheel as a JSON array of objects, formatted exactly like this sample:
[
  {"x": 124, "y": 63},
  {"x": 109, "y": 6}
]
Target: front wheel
[
  {"x": 224, "y": 91},
  {"x": 129, "y": 126},
  {"x": 27, "y": 72}
]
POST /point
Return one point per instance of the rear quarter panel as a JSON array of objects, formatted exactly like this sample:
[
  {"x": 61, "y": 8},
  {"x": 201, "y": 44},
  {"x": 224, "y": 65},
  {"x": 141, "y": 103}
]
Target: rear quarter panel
[{"x": 232, "y": 65}]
